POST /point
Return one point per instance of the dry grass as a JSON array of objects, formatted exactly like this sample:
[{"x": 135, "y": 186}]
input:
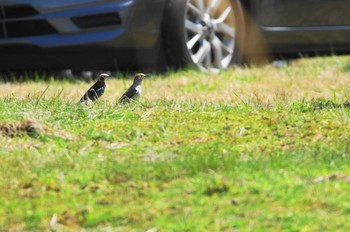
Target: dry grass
[{"x": 302, "y": 79}]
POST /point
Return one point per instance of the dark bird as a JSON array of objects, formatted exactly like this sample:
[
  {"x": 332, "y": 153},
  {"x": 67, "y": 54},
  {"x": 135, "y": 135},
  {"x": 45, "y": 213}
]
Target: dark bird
[
  {"x": 134, "y": 90},
  {"x": 347, "y": 104},
  {"x": 96, "y": 90}
]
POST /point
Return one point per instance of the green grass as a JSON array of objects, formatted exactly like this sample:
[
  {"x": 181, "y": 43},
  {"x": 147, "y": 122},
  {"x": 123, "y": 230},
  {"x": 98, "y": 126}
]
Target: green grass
[{"x": 270, "y": 153}]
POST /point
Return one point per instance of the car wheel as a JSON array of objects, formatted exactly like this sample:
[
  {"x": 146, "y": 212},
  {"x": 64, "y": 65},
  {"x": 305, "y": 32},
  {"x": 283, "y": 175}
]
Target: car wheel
[{"x": 203, "y": 33}]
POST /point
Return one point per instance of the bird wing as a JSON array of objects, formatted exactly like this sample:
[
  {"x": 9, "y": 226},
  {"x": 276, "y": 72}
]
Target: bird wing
[
  {"x": 92, "y": 94},
  {"x": 129, "y": 94},
  {"x": 96, "y": 91}
]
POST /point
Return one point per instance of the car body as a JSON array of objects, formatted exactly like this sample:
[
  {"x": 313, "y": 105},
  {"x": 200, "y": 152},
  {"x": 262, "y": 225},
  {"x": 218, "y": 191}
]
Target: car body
[
  {"x": 126, "y": 34},
  {"x": 80, "y": 34},
  {"x": 301, "y": 26}
]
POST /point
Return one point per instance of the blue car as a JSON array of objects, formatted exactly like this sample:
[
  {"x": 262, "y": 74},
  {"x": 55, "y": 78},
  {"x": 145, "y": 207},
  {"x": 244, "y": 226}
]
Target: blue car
[
  {"x": 127, "y": 34},
  {"x": 79, "y": 34}
]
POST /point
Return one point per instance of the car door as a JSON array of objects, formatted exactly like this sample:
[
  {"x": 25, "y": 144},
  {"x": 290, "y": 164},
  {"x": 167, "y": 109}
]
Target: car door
[
  {"x": 303, "y": 13},
  {"x": 303, "y": 22}
]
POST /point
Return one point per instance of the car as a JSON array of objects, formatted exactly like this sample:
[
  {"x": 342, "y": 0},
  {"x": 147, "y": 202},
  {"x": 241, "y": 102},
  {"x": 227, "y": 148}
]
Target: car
[{"x": 128, "y": 34}]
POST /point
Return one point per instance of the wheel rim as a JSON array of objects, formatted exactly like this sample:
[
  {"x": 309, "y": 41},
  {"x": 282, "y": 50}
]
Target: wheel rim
[{"x": 210, "y": 33}]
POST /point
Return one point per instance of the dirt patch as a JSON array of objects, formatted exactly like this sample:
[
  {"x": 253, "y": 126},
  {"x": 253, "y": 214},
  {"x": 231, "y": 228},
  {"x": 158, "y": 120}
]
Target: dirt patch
[
  {"x": 19, "y": 129},
  {"x": 332, "y": 177},
  {"x": 32, "y": 128}
]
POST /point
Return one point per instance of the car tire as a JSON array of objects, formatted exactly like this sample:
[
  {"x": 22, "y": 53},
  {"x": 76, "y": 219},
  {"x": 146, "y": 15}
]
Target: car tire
[{"x": 209, "y": 38}]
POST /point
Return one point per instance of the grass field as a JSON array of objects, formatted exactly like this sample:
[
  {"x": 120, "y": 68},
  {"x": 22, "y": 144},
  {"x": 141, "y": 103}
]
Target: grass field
[{"x": 249, "y": 149}]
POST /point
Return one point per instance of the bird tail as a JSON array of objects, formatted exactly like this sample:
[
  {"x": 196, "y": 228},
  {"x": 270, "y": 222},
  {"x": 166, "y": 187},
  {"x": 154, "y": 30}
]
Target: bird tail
[{"x": 124, "y": 99}]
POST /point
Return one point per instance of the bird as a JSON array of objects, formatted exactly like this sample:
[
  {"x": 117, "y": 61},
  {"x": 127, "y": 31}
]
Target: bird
[
  {"x": 347, "y": 104},
  {"x": 134, "y": 90},
  {"x": 96, "y": 90}
]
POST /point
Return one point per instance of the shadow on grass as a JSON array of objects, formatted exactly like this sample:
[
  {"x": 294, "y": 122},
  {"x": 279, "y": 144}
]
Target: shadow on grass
[
  {"x": 72, "y": 76},
  {"x": 61, "y": 75},
  {"x": 68, "y": 75}
]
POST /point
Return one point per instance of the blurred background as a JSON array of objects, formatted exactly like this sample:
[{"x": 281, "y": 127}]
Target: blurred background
[{"x": 80, "y": 36}]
